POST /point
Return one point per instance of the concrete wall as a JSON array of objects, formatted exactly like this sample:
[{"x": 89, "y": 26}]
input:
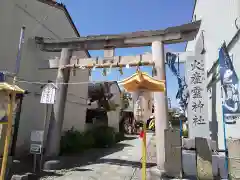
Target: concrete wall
[
  {"x": 218, "y": 25},
  {"x": 189, "y": 164},
  {"x": 40, "y": 20}
]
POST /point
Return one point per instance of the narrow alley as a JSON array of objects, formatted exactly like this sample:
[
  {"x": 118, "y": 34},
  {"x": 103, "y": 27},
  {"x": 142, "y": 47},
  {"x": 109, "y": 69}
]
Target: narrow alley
[{"x": 122, "y": 162}]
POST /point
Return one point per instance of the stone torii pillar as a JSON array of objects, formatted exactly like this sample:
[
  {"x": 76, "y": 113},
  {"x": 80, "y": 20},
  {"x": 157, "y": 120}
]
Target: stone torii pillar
[
  {"x": 59, "y": 106},
  {"x": 160, "y": 103}
]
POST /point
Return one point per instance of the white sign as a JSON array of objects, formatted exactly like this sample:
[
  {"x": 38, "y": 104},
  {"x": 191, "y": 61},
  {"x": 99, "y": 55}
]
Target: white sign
[
  {"x": 35, "y": 148},
  {"x": 198, "y": 97},
  {"x": 48, "y": 94},
  {"x": 37, "y": 136}
]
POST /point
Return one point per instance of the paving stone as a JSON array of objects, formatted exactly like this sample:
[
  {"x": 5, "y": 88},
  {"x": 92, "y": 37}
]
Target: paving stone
[
  {"x": 52, "y": 165},
  {"x": 20, "y": 177}
]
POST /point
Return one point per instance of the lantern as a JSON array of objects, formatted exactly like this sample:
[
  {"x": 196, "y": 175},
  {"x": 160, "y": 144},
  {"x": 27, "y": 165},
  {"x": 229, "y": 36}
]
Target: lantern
[{"x": 5, "y": 97}]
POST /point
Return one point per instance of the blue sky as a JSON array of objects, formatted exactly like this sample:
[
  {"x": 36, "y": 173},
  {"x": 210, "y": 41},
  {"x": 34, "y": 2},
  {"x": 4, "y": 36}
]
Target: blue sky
[{"x": 94, "y": 17}]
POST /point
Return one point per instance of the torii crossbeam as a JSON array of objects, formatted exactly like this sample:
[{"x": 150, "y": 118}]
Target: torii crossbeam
[{"x": 177, "y": 34}]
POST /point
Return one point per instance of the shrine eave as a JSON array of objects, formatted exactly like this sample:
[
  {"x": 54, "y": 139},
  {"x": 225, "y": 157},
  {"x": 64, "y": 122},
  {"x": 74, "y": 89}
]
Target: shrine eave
[
  {"x": 142, "y": 81},
  {"x": 8, "y": 87}
]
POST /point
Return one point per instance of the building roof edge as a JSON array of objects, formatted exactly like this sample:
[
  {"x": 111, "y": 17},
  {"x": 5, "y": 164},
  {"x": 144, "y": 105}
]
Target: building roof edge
[
  {"x": 194, "y": 6},
  {"x": 62, "y": 7}
]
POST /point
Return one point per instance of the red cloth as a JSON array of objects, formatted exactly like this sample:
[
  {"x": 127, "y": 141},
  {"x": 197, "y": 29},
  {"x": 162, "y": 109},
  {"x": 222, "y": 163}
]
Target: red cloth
[{"x": 141, "y": 134}]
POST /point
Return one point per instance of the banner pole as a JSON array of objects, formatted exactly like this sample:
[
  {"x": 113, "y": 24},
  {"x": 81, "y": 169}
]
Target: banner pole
[
  {"x": 223, "y": 53},
  {"x": 144, "y": 154}
]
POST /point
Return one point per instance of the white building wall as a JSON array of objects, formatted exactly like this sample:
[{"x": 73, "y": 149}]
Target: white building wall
[
  {"x": 40, "y": 20},
  {"x": 76, "y": 105},
  {"x": 218, "y": 25}
]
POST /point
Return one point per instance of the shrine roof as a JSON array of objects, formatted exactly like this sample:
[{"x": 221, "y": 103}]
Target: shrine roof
[
  {"x": 142, "y": 81},
  {"x": 8, "y": 87}
]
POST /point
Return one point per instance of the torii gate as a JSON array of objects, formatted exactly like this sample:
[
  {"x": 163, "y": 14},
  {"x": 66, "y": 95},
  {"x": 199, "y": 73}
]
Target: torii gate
[{"x": 108, "y": 43}]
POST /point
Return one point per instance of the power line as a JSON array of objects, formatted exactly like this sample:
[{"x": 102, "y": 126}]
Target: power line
[
  {"x": 71, "y": 94},
  {"x": 71, "y": 83},
  {"x": 38, "y": 21},
  {"x": 22, "y": 80},
  {"x": 78, "y": 103}
]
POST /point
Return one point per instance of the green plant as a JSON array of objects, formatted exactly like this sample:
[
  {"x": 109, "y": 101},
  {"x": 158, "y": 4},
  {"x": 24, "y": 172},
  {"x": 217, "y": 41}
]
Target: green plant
[
  {"x": 74, "y": 141},
  {"x": 104, "y": 136},
  {"x": 119, "y": 136},
  {"x": 71, "y": 141},
  {"x": 89, "y": 140}
]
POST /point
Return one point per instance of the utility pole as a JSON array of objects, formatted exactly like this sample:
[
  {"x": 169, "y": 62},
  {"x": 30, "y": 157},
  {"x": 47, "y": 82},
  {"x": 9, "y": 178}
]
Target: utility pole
[
  {"x": 160, "y": 103},
  {"x": 59, "y": 106}
]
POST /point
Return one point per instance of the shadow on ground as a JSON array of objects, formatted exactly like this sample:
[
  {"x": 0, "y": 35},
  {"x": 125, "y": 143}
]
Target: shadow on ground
[
  {"x": 73, "y": 162},
  {"x": 91, "y": 156},
  {"x": 121, "y": 162},
  {"x": 130, "y": 137}
]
